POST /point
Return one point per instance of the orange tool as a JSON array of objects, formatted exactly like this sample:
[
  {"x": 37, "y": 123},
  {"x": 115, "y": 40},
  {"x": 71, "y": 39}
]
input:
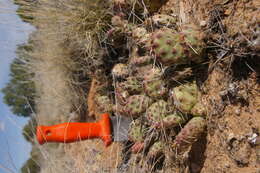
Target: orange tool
[{"x": 72, "y": 132}]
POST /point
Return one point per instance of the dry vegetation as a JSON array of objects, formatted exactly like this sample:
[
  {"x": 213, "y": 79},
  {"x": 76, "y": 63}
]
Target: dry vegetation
[
  {"x": 67, "y": 56},
  {"x": 65, "y": 43}
]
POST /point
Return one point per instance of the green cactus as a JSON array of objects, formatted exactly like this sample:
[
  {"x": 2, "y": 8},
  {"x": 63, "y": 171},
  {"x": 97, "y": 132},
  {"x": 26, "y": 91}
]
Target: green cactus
[
  {"x": 166, "y": 46},
  {"x": 189, "y": 134},
  {"x": 156, "y": 150},
  {"x": 155, "y": 156},
  {"x": 104, "y": 104},
  {"x": 152, "y": 73},
  {"x": 157, "y": 112},
  {"x": 193, "y": 40},
  {"x": 171, "y": 47},
  {"x": 132, "y": 85},
  {"x": 185, "y": 96},
  {"x": 161, "y": 115},
  {"x": 136, "y": 131},
  {"x": 154, "y": 86},
  {"x": 136, "y": 134},
  {"x": 136, "y": 105},
  {"x": 171, "y": 121},
  {"x": 120, "y": 70}
]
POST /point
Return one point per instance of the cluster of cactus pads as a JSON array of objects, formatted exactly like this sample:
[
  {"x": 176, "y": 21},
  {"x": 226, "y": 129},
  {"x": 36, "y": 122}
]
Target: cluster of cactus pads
[
  {"x": 171, "y": 47},
  {"x": 141, "y": 89}
]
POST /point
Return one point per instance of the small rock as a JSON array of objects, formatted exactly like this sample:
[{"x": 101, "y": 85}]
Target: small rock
[
  {"x": 237, "y": 111},
  {"x": 252, "y": 139},
  {"x": 203, "y": 23}
]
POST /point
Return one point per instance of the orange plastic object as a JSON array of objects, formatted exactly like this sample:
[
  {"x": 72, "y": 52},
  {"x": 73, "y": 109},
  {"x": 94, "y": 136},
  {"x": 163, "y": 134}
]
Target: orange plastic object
[{"x": 71, "y": 132}]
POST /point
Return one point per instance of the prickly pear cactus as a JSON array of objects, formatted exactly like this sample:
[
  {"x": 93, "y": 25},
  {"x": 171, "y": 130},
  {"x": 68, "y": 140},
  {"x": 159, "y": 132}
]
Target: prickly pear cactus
[
  {"x": 140, "y": 85},
  {"x": 157, "y": 112},
  {"x": 132, "y": 85},
  {"x": 120, "y": 70},
  {"x": 155, "y": 88},
  {"x": 193, "y": 42},
  {"x": 189, "y": 134},
  {"x": 156, "y": 150},
  {"x": 152, "y": 73},
  {"x": 185, "y": 96},
  {"x": 172, "y": 120},
  {"x": 136, "y": 131},
  {"x": 136, "y": 134},
  {"x": 171, "y": 47},
  {"x": 165, "y": 44},
  {"x": 136, "y": 105}
]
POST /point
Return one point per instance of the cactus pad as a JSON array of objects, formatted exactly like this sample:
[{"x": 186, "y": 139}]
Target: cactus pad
[
  {"x": 171, "y": 121},
  {"x": 155, "y": 88},
  {"x": 104, "y": 104},
  {"x": 171, "y": 47},
  {"x": 157, "y": 111},
  {"x": 132, "y": 85},
  {"x": 136, "y": 105},
  {"x": 189, "y": 134},
  {"x": 156, "y": 150},
  {"x": 136, "y": 131},
  {"x": 185, "y": 96},
  {"x": 193, "y": 40},
  {"x": 152, "y": 73}
]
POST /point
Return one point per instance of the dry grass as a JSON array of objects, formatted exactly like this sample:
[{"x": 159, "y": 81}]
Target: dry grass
[
  {"x": 66, "y": 43},
  {"x": 68, "y": 37}
]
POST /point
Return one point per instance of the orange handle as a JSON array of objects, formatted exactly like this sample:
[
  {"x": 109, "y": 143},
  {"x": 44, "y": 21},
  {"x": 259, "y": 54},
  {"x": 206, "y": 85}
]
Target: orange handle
[{"x": 71, "y": 132}]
